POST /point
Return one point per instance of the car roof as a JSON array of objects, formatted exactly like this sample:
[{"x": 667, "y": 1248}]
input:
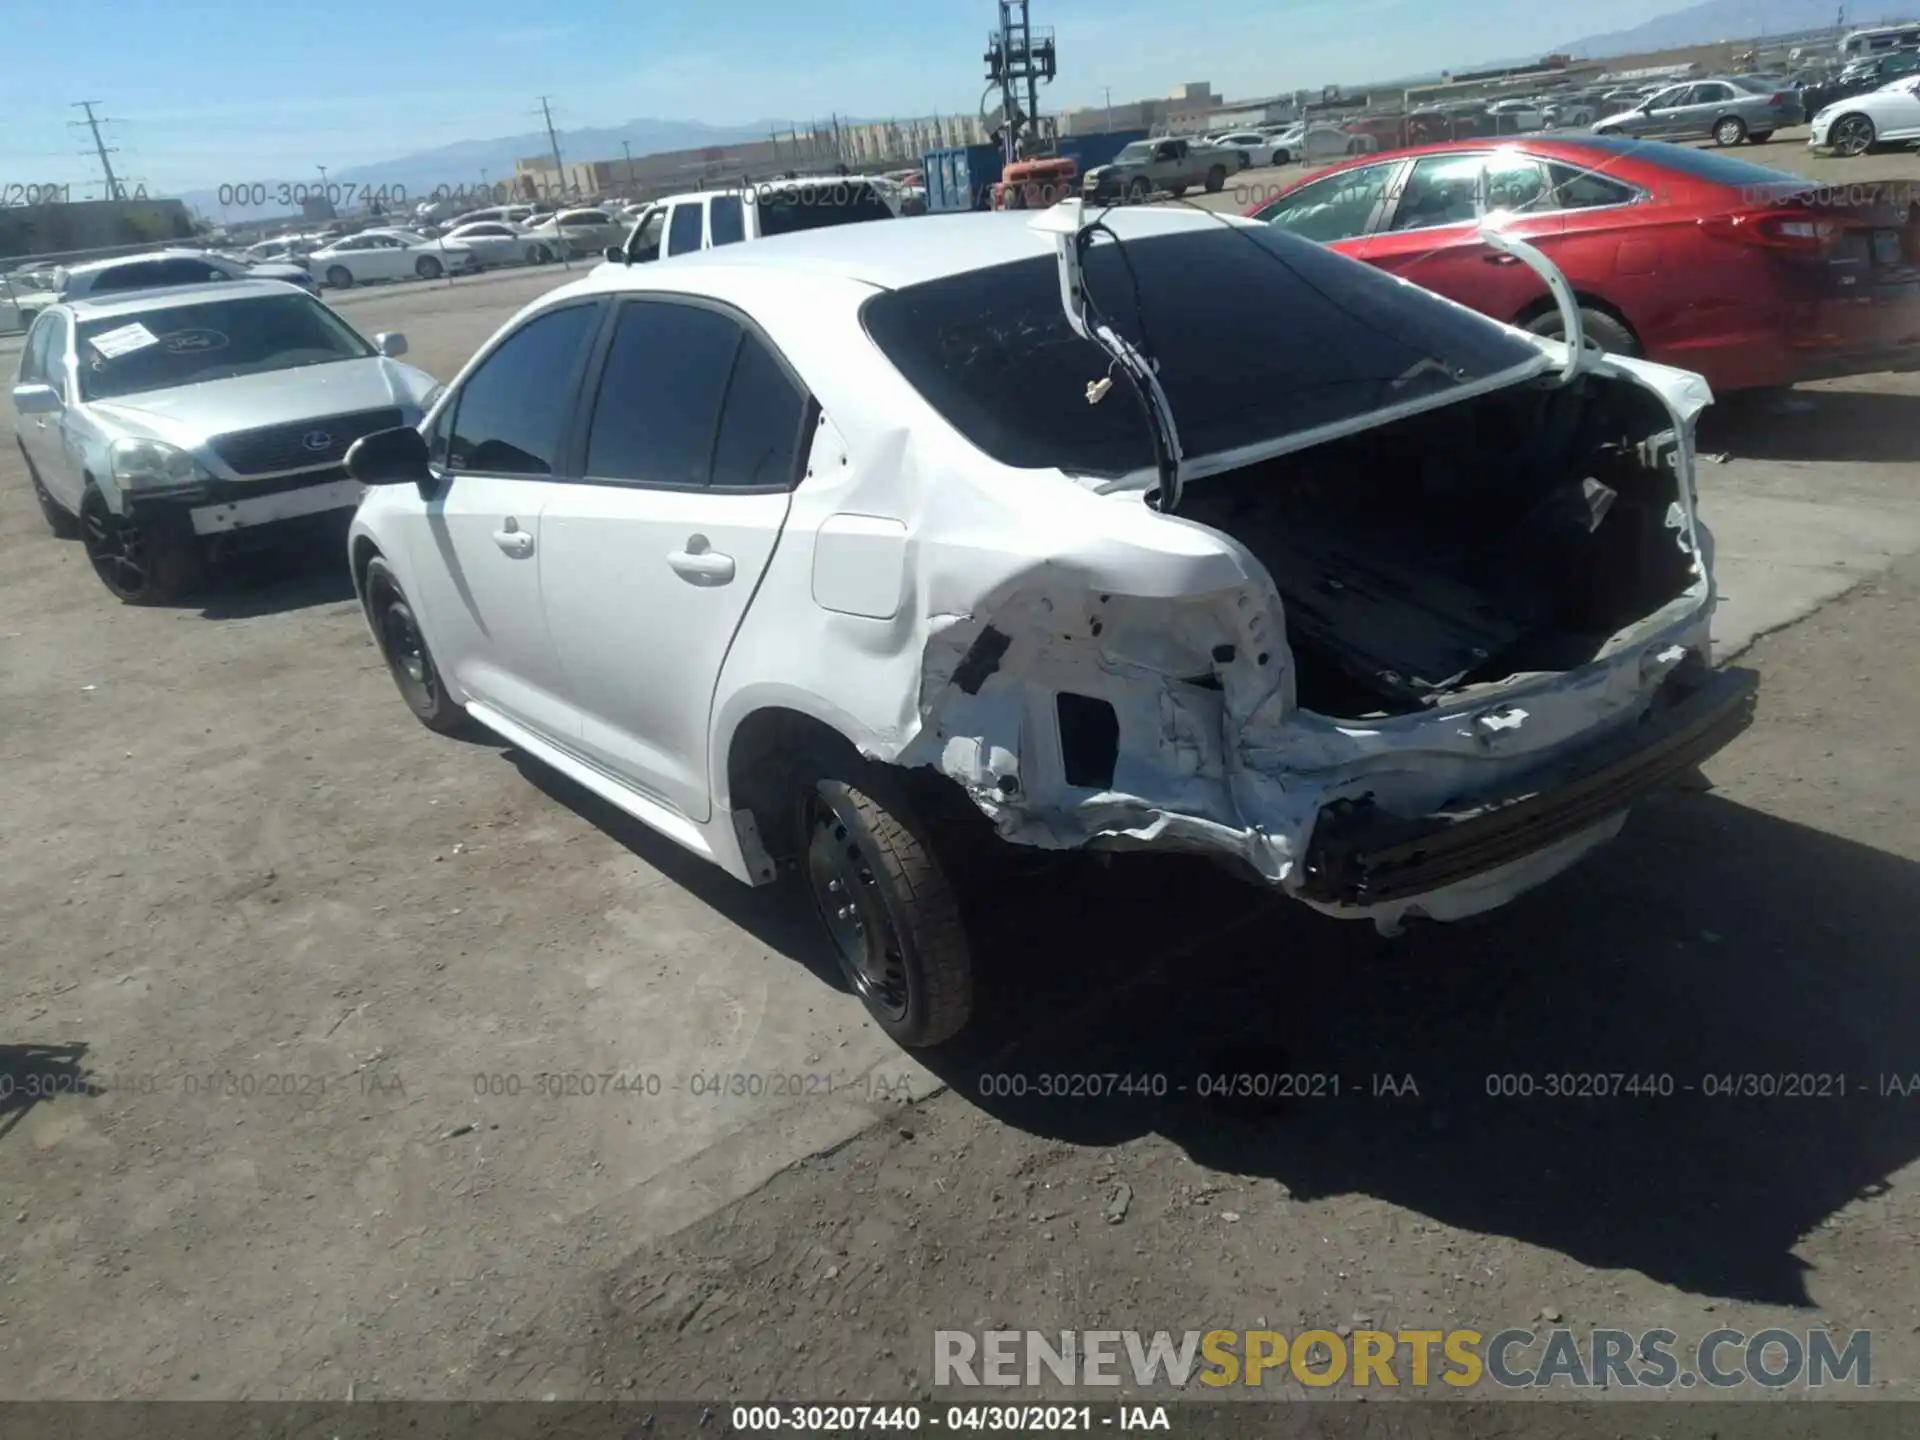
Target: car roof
[
  {"x": 134, "y": 302},
  {"x": 931, "y": 247},
  {"x": 759, "y": 187},
  {"x": 176, "y": 252}
]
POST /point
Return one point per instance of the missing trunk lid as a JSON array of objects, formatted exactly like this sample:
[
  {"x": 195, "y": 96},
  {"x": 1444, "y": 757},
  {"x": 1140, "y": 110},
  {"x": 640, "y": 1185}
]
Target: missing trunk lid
[{"x": 1516, "y": 533}]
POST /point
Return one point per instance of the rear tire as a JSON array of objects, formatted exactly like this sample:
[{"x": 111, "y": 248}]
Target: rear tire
[
  {"x": 886, "y": 903},
  {"x": 1730, "y": 131},
  {"x": 404, "y": 647},
  {"x": 1600, "y": 328},
  {"x": 339, "y": 277},
  {"x": 63, "y": 523},
  {"x": 1216, "y": 179}
]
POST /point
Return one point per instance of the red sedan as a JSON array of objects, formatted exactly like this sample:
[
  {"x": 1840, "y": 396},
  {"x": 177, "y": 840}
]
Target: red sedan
[{"x": 1749, "y": 276}]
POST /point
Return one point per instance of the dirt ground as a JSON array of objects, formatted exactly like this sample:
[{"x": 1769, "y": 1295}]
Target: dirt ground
[
  {"x": 316, "y": 960},
  {"x": 1765, "y": 926}
]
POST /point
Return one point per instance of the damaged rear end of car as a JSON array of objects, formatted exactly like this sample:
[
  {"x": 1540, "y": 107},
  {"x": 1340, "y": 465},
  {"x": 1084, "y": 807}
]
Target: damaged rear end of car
[{"x": 1432, "y": 605}]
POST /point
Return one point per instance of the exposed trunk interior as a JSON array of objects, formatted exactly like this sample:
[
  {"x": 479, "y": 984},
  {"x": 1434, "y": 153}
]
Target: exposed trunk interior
[{"x": 1512, "y": 533}]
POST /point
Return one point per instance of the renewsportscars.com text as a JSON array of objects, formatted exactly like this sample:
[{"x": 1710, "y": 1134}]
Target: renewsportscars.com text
[{"x": 1598, "y": 1359}]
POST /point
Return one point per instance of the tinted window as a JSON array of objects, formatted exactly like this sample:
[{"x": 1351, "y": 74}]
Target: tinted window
[
  {"x": 1337, "y": 208},
  {"x": 685, "y": 232},
  {"x": 760, "y": 425},
  {"x": 726, "y": 219},
  {"x": 812, "y": 207},
  {"x": 645, "y": 243},
  {"x": 512, "y": 408},
  {"x": 35, "y": 357},
  {"x": 53, "y": 354},
  {"x": 1576, "y": 189},
  {"x": 1258, "y": 335},
  {"x": 658, "y": 406},
  {"x": 154, "y": 273},
  {"x": 1442, "y": 190}
]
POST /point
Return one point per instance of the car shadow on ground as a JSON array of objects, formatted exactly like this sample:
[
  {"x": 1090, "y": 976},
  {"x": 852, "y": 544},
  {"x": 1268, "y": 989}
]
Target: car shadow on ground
[
  {"x": 31, "y": 1074},
  {"x": 776, "y": 915},
  {"x": 1710, "y": 941},
  {"x": 1806, "y": 424},
  {"x": 283, "y": 575}
]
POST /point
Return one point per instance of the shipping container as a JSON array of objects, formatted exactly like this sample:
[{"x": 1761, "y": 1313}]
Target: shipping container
[{"x": 961, "y": 178}]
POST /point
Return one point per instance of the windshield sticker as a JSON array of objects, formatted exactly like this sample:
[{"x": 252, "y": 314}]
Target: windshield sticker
[
  {"x": 128, "y": 338},
  {"x": 192, "y": 341}
]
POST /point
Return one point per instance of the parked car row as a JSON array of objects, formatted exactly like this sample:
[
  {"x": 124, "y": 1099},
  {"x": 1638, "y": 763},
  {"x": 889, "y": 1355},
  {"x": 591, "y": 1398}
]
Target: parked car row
[{"x": 850, "y": 585}]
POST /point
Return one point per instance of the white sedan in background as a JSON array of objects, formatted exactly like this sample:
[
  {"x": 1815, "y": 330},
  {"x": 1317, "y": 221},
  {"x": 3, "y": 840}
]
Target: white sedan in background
[
  {"x": 496, "y": 242},
  {"x": 1851, "y": 127},
  {"x": 388, "y": 255},
  {"x": 580, "y": 232},
  {"x": 1259, "y": 149}
]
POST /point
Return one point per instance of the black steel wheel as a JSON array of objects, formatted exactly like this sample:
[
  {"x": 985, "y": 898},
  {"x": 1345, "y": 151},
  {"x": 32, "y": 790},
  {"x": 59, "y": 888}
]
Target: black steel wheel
[
  {"x": 339, "y": 277},
  {"x": 1851, "y": 135},
  {"x": 888, "y": 908},
  {"x": 139, "y": 564},
  {"x": 62, "y": 522},
  {"x": 404, "y": 647},
  {"x": 1216, "y": 179}
]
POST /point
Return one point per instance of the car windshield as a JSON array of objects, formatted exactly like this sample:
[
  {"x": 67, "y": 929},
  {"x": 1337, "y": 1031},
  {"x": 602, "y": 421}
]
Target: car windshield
[
  {"x": 213, "y": 340},
  {"x": 1137, "y": 151},
  {"x": 1258, "y": 335}
]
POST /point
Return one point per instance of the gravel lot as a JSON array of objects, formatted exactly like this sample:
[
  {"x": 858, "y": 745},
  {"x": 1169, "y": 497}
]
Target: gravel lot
[{"x": 316, "y": 958}]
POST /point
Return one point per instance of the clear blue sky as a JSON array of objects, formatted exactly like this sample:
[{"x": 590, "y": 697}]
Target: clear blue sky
[{"x": 210, "y": 93}]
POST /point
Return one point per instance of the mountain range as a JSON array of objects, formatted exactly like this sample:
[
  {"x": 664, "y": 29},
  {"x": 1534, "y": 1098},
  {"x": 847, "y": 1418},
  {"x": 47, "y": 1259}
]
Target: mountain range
[
  {"x": 473, "y": 162},
  {"x": 1712, "y": 21}
]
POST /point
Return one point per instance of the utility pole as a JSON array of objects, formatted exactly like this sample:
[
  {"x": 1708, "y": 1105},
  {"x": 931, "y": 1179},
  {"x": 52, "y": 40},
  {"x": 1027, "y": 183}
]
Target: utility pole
[
  {"x": 627, "y": 150},
  {"x": 99, "y": 146},
  {"x": 1109, "y": 92},
  {"x": 553, "y": 140}
]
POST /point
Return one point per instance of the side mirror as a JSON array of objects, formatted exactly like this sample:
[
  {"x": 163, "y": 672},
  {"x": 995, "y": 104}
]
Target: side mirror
[
  {"x": 390, "y": 457},
  {"x": 37, "y": 399},
  {"x": 616, "y": 255},
  {"x": 390, "y": 343}
]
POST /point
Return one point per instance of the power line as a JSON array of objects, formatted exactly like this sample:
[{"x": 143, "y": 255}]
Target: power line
[
  {"x": 99, "y": 146},
  {"x": 553, "y": 140}
]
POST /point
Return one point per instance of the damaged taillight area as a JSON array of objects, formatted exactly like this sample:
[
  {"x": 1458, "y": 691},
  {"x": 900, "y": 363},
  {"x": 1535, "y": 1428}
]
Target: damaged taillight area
[{"x": 1463, "y": 645}]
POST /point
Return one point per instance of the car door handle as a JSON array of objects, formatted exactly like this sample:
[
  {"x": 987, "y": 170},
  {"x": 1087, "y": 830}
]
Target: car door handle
[
  {"x": 701, "y": 563},
  {"x": 514, "y": 541}
]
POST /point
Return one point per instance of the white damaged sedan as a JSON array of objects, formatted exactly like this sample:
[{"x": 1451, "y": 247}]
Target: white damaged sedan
[{"x": 1166, "y": 532}]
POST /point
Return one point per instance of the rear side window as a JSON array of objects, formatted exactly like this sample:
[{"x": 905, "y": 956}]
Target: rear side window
[
  {"x": 991, "y": 349},
  {"x": 511, "y": 410},
  {"x": 690, "y": 397},
  {"x": 658, "y": 406},
  {"x": 725, "y": 218},
  {"x": 684, "y": 233},
  {"x": 788, "y": 209}
]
